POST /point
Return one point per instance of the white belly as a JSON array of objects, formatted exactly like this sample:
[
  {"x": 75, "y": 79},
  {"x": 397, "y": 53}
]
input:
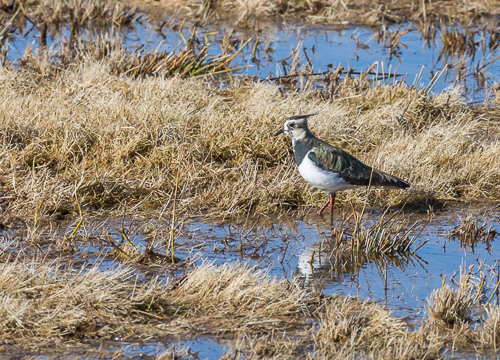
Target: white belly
[{"x": 324, "y": 180}]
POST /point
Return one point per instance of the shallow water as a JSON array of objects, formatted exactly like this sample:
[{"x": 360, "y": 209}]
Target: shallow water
[
  {"x": 284, "y": 248},
  {"x": 327, "y": 47},
  {"x": 264, "y": 244},
  {"x": 209, "y": 348},
  {"x": 409, "y": 279}
]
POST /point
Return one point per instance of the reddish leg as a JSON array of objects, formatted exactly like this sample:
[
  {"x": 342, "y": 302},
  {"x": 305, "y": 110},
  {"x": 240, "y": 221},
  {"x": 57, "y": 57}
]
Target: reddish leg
[
  {"x": 320, "y": 212},
  {"x": 330, "y": 202}
]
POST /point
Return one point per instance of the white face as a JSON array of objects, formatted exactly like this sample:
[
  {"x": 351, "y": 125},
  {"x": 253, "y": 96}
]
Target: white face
[{"x": 296, "y": 128}]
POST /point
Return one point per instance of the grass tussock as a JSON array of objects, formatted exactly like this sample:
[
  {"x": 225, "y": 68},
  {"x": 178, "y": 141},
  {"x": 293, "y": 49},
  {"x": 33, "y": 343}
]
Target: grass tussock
[
  {"x": 450, "y": 306},
  {"x": 470, "y": 233},
  {"x": 107, "y": 139},
  {"x": 491, "y": 329},
  {"x": 352, "y": 321},
  {"x": 390, "y": 235},
  {"x": 246, "y": 297},
  {"x": 44, "y": 300},
  {"x": 353, "y": 328}
]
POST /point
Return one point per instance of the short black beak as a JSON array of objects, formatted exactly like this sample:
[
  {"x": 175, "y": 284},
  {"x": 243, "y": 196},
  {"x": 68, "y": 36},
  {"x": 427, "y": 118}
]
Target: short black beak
[{"x": 279, "y": 132}]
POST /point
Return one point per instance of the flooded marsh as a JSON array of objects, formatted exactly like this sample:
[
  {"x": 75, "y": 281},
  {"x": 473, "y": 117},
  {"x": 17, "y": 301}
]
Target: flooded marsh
[
  {"x": 240, "y": 282},
  {"x": 148, "y": 212}
]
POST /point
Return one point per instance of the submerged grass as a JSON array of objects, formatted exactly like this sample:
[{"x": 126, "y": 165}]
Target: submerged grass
[
  {"x": 389, "y": 235},
  {"x": 188, "y": 61},
  {"x": 470, "y": 233}
]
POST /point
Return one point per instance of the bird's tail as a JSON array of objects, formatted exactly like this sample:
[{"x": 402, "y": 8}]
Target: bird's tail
[{"x": 380, "y": 178}]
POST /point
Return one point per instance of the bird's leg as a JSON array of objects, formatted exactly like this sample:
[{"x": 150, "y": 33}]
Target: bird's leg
[
  {"x": 323, "y": 207},
  {"x": 332, "y": 201}
]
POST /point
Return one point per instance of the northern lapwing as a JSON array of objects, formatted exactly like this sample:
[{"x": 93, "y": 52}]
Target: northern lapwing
[{"x": 329, "y": 168}]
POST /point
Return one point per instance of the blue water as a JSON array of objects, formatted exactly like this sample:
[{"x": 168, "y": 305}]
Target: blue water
[
  {"x": 207, "y": 348},
  {"x": 409, "y": 280},
  {"x": 326, "y": 47},
  {"x": 284, "y": 248}
]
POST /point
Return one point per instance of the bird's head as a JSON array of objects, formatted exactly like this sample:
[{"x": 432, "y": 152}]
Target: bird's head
[{"x": 295, "y": 127}]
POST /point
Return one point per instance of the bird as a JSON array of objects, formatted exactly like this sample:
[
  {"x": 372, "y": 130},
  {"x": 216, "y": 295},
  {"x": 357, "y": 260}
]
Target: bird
[{"x": 328, "y": 167}]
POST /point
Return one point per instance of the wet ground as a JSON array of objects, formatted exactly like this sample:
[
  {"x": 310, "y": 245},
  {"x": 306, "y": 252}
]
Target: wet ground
[
  {"x": 199, "y": 348},
  {"x": 284, "y": 247},
  {"x": 415, "y": 55}
]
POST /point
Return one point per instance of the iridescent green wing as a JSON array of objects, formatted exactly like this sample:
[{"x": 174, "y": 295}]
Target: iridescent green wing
[{"x": 338, "y": 161}]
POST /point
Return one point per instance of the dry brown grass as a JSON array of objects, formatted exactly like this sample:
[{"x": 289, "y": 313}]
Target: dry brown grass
[
  {"x": 46, "y": 300},
  {"x": 350, "y": 326},
  {"x": 49, "y": 15},
  {"x": 491, "y": 332},
  {"x": 354, "y": 329},
  {"x": 350, "y": 329},
  {"x": 42, "y": 300},
  {"x": 450, "y": 306},
  {"x": 105, "y": 139},
  {"x": 333, "y": 11},
  {"x": 355, "y": 322},
  {"x": 244, "y": 297}
]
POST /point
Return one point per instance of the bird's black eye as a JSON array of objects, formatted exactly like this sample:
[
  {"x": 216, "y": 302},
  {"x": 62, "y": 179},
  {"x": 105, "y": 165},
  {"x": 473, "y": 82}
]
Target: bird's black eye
[{"x": 292, "y": 125}]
